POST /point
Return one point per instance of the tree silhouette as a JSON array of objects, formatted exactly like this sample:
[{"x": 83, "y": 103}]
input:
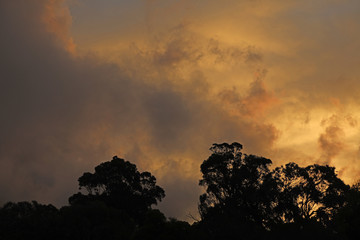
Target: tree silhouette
[
  {"x": 156, "y": 226},
  {"x": 28, "y": 220},
  {"x": 308, "y": 193},
  {"x": 242, "y": 193},
  {"x": 95, "y": 220},
  {"x": 243, "y": 199},
  {"x": 239, "y": 191},
  {"x": 347, "y": 219},
  {"x": 119, "y": 184}
]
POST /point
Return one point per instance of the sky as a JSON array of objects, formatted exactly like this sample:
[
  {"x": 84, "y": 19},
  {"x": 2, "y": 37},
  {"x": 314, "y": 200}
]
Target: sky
[{"x": 157, "y": 82}]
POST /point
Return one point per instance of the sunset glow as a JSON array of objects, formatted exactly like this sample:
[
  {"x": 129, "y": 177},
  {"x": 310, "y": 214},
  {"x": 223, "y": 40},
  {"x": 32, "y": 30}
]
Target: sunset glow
[{"x": 157, "y": 82}]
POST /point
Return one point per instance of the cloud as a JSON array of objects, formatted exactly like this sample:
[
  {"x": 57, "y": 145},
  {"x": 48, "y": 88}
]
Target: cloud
[
  {"x": 331, "y": 142},
  {"x": 57, "y": 19},
  {"x": 166, "y": 86},
  {"x": 57, "y": 110},
  {"x": 64, "y": 113},
  {"x": 257, "y": 101},
  {"x": 181, "y": 198}
]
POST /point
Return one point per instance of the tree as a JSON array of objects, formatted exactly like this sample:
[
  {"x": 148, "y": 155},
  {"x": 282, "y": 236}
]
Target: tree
[
  {"x": 238, "y": 189},
  {"x": 242, "y": 193},
  {"x": 312, "y": 193},
  {"x": 28, "y": 220},
  {"x": 347, "y": 218},
  {"x": 157, "y": 226},
  {"x": 119, "y": 184},
  {"x": 95, "y": 220}
]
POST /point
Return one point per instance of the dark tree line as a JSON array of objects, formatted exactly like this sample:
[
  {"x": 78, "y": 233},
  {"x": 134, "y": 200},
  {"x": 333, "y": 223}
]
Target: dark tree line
[
  {"x": 244, "y": 196},
  {"x": 243, "y": 199}
]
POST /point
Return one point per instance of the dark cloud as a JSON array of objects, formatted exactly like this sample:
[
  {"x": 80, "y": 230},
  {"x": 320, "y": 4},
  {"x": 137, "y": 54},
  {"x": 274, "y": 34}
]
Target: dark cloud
[
  {"x": 331, "y": 142},
  {"x": 63, "y": 114},
  {"x": 229, "y": 54},
  {"x": 51, "y": 105},
  {"x": 181, "y": 198}
]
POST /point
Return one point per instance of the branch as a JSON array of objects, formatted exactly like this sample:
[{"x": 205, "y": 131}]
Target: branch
[{"x": 189, "y": 215}]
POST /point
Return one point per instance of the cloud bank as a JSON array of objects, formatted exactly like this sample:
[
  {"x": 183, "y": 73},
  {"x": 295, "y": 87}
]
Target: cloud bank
[{"x": 280, "y": 78}]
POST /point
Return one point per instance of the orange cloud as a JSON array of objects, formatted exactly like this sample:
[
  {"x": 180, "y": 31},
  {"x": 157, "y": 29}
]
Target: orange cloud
[
  {"x": 331, "y": 142},
  {"x": 164, "y": 89},
  {"x": 255, "y": 103},
  {"x": 57, "y": 19}
]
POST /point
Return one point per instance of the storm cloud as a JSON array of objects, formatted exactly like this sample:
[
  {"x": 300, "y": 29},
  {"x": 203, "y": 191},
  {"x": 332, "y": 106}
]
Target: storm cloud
[
  {"x": 82, "y": 81},
  {"x": 62, "y": 113}
]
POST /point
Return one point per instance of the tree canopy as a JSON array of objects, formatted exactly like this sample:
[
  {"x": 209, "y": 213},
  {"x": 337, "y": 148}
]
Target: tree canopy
[
  {"x": 241, "y": 192},
  {"x": 238, "y": 189},
  {"x": 244, "y": 198},
  {"x": 119, "y": 184},
  {"x": 308, "y": 193}
]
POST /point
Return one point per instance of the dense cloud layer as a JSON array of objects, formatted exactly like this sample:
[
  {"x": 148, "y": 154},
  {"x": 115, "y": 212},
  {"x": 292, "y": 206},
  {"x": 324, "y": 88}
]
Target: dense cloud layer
[
  {"x": 62, "y": 114},
  {"x": 281, "y": 79}
]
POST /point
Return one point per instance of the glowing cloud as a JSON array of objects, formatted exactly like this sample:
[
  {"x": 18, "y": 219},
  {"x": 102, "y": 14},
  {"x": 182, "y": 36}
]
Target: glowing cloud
[{"x": 160, "y": 85}]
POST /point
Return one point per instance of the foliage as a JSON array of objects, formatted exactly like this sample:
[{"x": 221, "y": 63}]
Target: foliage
[
  {"x": 347, "y": 219},
  {"x": 243, "y": 199},
  {"x": 308, "y": 193},
  {"x": 119, "y": 184},
  {"x": 238, "y": 190},
  {"x": 95, "y": 220},
  {"x": 242, "y": 193},
  {"x": 28, "y": 220}
]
